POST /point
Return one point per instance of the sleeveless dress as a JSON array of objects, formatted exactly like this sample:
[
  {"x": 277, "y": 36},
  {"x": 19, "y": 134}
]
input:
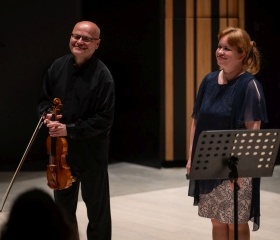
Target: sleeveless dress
[{"x": 223, "y": 107}]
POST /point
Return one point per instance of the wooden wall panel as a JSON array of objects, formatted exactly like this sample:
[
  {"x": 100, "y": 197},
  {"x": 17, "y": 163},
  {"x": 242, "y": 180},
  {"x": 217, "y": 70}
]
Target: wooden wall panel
[
  {"x": 232, "y": 8},
  {"x": 202, "y": 22},
  {"x": 203, "y": 8},
  {"x": 190, "y": 86},
  {"x": 223, "y": 22},
  {"x": 223, "y": 9},
  {"x": 168, "y": 49},
  {"x": 241, "y": 13},
  {"x": 203, "y": 49},
  {"x": 233, "y": 22},
  {"x": 190, "y": 9}
]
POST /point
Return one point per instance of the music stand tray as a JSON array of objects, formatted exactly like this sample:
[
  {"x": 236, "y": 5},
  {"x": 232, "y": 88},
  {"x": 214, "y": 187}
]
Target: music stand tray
[{"x": 254, "y": 150}]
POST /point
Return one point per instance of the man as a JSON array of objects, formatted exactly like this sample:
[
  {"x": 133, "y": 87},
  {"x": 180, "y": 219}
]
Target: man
[{"x": 86, "y": 89}]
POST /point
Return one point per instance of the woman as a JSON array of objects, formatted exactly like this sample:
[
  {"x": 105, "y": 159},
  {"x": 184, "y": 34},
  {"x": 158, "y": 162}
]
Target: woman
[{"x": 230, "y": 98}]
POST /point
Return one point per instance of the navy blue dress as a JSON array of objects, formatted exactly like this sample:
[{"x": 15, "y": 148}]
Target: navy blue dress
[{"x": 223, "y": 107}]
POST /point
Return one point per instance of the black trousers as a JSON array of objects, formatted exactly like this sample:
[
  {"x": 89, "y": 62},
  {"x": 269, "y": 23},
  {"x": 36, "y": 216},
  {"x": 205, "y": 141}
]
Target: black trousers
[{"x": 94, "y": 183}]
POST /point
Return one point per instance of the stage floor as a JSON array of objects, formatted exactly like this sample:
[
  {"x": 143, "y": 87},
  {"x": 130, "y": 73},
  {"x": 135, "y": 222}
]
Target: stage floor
[{"x": 152, "y": 204}]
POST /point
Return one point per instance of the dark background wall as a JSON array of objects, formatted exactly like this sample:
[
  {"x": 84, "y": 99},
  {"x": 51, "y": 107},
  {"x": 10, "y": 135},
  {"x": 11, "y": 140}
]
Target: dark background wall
[
  {"x": 130, "y": 46},
  {"x": 261, "y": 22},
  {"x": 262, "y": 18},
  {"x": 34, "y": 33}
]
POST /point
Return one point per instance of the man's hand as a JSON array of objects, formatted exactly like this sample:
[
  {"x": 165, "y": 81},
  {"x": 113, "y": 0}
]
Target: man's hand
[{"x": 56, "y": 129}]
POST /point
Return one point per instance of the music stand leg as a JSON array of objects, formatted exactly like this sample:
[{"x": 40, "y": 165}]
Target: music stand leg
[
  {"x": 233, "y": 176},
  {"x": 236, "y": 188}
]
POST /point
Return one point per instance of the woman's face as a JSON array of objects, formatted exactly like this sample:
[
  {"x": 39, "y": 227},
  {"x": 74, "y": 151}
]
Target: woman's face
[{"x": 227, "y": 56}]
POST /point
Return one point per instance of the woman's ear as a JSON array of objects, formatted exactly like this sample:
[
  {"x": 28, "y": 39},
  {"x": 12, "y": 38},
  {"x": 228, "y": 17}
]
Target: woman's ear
[{"x": 242, "y": 56}]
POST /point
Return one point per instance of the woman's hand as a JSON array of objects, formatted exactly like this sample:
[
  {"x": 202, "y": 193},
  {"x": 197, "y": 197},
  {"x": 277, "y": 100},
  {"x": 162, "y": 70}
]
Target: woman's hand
[{"x": 188, "y": 166}]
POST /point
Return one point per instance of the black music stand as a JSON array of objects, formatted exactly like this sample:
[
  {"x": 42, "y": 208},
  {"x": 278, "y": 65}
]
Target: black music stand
[{"x": 246, "y": 153}]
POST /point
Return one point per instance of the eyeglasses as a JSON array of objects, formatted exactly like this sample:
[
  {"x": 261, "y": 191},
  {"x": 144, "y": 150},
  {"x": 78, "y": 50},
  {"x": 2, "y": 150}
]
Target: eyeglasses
[{"x": 84, "y": 38}]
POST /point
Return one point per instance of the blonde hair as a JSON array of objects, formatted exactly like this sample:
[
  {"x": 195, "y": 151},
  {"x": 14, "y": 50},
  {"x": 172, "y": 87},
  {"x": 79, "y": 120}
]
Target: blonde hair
[{"x": 241, "y": 39}]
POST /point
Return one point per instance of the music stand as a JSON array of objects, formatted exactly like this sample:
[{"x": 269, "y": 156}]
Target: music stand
[{"x": 246, "y": 153}]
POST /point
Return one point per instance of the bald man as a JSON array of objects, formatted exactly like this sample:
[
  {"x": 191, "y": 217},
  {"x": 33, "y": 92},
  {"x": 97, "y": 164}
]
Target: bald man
[{"x": 86, "y": 89}]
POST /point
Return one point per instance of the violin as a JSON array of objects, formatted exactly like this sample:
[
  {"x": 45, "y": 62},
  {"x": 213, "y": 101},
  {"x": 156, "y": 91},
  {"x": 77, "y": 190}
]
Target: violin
[{"x": 58, "y": 172}]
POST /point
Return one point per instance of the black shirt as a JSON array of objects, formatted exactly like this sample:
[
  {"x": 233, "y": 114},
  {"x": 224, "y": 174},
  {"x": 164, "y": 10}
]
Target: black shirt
[{"x": 87, "y": 95}]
